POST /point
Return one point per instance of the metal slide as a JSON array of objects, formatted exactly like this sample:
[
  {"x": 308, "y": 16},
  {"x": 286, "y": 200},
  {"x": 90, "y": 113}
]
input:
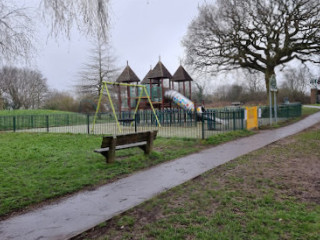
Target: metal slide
[{"x": 187, "y": 104}]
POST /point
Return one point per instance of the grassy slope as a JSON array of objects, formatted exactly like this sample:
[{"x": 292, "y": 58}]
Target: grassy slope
[
  {"x": 307, "y": 111},
  {"x": 35, "y": 167},
  {"x": 31, "y": 112},
  {"x": 268, "y": 194}
]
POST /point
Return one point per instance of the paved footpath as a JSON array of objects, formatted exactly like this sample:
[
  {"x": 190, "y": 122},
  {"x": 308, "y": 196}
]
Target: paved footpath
[{"x": 87, "y": 209}]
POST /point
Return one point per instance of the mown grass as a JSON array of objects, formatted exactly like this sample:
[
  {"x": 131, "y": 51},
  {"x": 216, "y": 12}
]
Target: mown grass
[
  {"x": 251, "y": 197},
  {"x": 31, "y": 112},
  {"x": 39, "y": 166},
  {"x": 308, "y": 111}
]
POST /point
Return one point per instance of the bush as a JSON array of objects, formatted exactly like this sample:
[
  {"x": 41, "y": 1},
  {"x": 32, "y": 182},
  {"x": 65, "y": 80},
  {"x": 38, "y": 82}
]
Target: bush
[{"x": 61, "y": 101}]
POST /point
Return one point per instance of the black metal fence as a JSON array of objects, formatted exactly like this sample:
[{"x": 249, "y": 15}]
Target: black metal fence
[
  {"x": 172, "y": 123},
  {"x": 287, "y": 111}
]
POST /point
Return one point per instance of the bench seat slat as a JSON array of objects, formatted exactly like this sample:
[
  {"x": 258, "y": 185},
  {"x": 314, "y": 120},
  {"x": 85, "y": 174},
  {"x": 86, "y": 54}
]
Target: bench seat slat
[{"x": 139, "y": 144}]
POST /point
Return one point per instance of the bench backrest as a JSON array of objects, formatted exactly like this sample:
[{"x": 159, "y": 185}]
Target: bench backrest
[{"x": 128, "y": 138}]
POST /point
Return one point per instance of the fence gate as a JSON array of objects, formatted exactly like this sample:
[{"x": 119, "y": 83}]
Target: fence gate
[{"x": 252, "y": 117}]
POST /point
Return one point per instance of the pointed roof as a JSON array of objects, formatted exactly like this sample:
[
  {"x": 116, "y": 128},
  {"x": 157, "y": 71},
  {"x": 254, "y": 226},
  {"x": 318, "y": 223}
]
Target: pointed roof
[
  {"x": 128, "y": 76},
  {"x": 146, "y": 79},
  {"x": 160, "y": 71},
  {"x": 181, "y": 75}
]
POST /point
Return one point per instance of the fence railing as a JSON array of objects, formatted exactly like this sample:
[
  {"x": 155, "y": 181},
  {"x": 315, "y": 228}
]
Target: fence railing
[
  {"x": 284, "y": 112},
  {"x": 174, "y": 123}
]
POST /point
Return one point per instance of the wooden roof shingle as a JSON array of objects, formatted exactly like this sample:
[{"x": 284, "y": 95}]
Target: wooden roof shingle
[
  {"x": 128, "y": 76},
  {"x": 146, "y": 79},
  {"x": 160, "y": 71},
  {"x": 181, "y": 75}
]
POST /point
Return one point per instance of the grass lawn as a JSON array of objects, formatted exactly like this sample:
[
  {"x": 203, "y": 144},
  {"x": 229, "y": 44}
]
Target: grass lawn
[
  {"x": 38, "y": 166},
  {"x": 272, "y": 193},
  {"x": 307, "y": 111},
  {"x": 31, "y": 112}
]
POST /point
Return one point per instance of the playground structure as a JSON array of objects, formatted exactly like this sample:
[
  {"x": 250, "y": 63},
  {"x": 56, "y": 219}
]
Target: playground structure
[
  {"x": 157, "y": 81},
  {"x": 155, "y": 92}
]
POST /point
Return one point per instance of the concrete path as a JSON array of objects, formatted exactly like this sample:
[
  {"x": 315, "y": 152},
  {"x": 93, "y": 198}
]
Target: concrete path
[{"x": 87, "y": 209}]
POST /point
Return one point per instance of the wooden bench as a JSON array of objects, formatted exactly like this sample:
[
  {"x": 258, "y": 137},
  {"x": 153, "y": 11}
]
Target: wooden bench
[{"x": 110, "y": 144}]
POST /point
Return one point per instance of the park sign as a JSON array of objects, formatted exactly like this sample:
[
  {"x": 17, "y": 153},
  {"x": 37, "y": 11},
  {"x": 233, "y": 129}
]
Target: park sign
[{"x": 273, "y": 83}]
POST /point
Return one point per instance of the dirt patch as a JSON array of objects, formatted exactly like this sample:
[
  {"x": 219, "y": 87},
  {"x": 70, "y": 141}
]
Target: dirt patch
[{"x": 288, "y": 169}]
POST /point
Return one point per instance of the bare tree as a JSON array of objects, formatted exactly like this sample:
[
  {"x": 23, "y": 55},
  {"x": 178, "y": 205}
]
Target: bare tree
[
  {"x": 16, "y": 26},
  {"x": 297, "y": 79},
  {"x": 90, "y": 16},
  {"x": 15, "y": 32},
  {"x": 23, "y": 87},
  {"x": 100, "y": 67},
  {"x": 253, "y": 34},
  {"x": 253, "y": 80}
]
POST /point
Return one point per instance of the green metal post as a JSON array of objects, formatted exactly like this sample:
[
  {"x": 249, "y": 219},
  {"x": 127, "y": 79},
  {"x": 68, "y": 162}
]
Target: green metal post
[
  {"x": 47, "y": 122},
  {"x": 14, "y": 123},
  {"x": 234, "y": 120},
  {"x": 88, "y": 123},
  {"x": 135, "y": 123},
  {"x": 202, "y": 119},
  {"x": 68, "y": 121},
  {"x": 242, "y": 119},
  {"x": 32, "y": 122}
]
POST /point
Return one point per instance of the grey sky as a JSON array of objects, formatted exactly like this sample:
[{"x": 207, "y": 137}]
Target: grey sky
[{"x": 141, "y": 30}]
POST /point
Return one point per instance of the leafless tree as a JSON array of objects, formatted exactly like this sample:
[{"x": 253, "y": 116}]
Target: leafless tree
[
  {"x": 23, "y": 87},
  {"x": 90, "y": 16},
  {"x": 253, "y": 34},
  {"x": 297, "y": 79},
  {"x": 253, "y": 80},
  {"x": 101, "y": 67},
  {"x": 15, "y": 32},
  {"x": 16, "y": 25}
]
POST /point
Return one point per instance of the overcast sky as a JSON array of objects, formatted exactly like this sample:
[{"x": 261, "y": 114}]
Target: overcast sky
[{"x": 141, "y": 31}]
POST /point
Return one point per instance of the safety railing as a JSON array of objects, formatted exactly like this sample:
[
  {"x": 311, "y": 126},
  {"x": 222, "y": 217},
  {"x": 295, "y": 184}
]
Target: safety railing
[{"x": 172, "y": 123}]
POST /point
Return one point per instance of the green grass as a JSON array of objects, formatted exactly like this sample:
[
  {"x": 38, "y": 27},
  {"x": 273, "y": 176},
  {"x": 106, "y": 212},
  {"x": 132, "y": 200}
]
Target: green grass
[
  {"x": 39, "y": 166},
  {"x": 31, "y": 112},
  {"x": 308, "y": 111},
  {"x": 252, "y": 197}
]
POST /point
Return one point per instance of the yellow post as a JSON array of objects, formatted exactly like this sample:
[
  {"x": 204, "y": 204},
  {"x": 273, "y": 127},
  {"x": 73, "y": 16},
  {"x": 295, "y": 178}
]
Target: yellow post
[
  {"x": 252, "y": 117},
  {"x": 97, "y": 110},
  {"x": 114, "y": 112},
  {"x": 154, "y": 112}
]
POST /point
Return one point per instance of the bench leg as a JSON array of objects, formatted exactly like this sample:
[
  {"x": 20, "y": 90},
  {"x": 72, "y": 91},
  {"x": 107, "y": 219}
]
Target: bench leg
[
  {"x": 112, "y": 151},
  {"x": 149, "y": 145}
]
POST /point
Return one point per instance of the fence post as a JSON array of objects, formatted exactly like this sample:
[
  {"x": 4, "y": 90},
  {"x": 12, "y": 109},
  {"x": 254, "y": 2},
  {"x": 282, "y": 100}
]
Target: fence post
[
  {"x": 234, "y": 120},
  {"x": 88, "y": 123},
  {"x": 68, "y": 120},
  {"x": 47, "y": 122},
  {"x": 242, "y": 118},
  {"x": 202, "y": 119},
  {"x": 32, "y": 122},
  {"x": 135, "y": 123},
  {"x": 14, "y": 123}
]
